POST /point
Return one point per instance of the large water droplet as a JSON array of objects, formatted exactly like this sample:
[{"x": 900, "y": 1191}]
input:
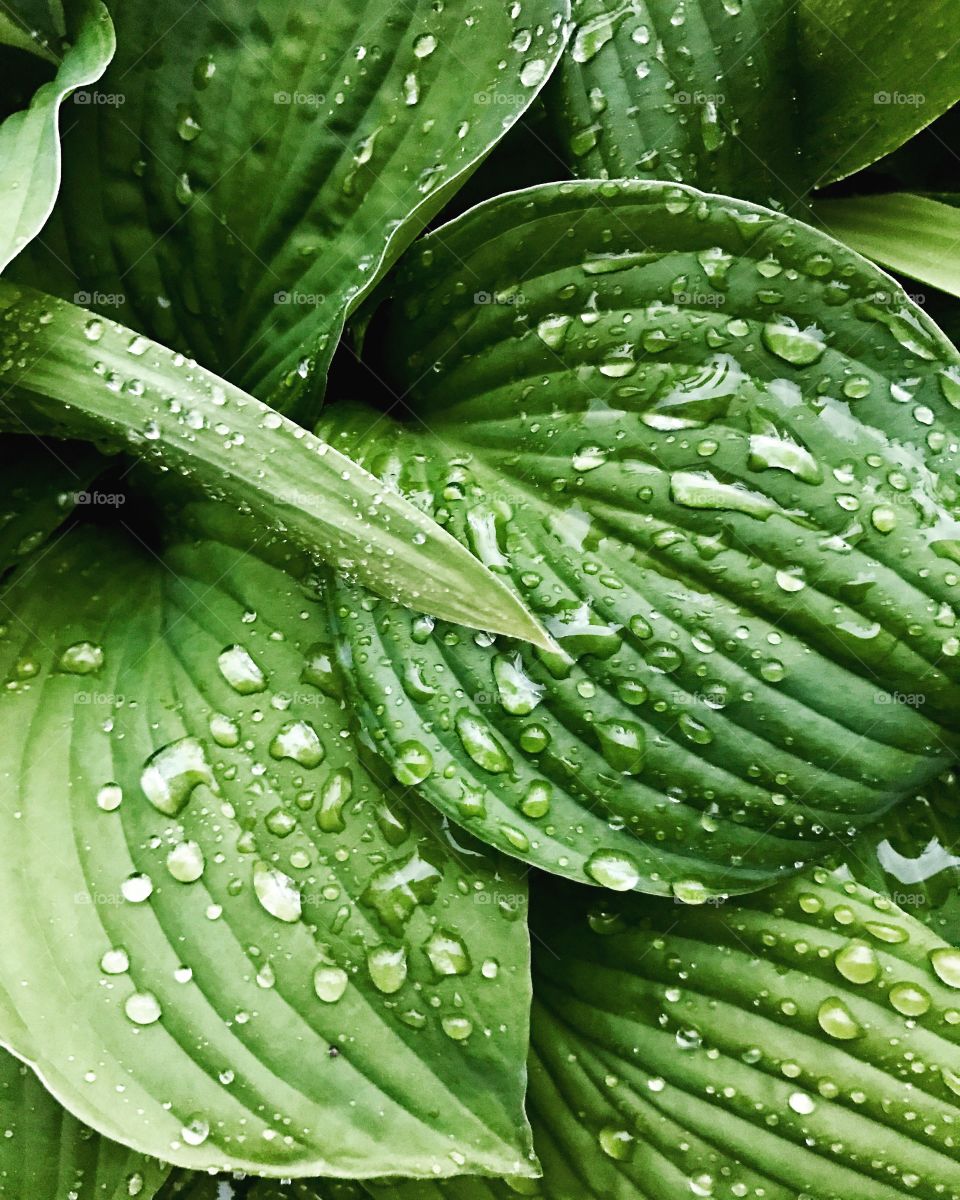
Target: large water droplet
[
  {"x": 299, "y": 741},
  {"x": 239, "y": 669},
  {"x": 172, "y": 773},
  {"x": 277, "y": 892},
  {"x": 613, "y": 869}
]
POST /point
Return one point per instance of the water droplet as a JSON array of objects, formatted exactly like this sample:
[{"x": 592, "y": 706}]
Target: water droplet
[
  {"x": 424, "y": 45},
  {"x": 447, "y": 954},
  {"x": 801, "y": 1103},
  {"x": 240, "y": 671},
  {"x": 115, "y": 961},
  {"x": 909, "y": 999},
  {"x": 412, "y": 764},
  {"x": 185, "y": 862},
  {"x": 388, "y": 968},
  {"x": 857, "y": 962},
  {"x": 298, "y": 741},
  {"x": 173, "y": 772},
  {"x": 613, "y": 869},
  {"x": 478, "y": 740},
  {"x": 137, "y": 888},
  {"x": 519, "y": 694},
  {"x": 623, "y": 744},
  {"x": 946, "y": 963},
  {"x": 536, "y": 801},
  {"x": 277, "y": 892},
  {"x": 196, "y": 1131},
  {"x": 143, "y": 1008},
  {"x": 330, "y": 982},
  {"x": 799, "y": 347},
  {"x": 109, "y": 797},
  {"x": 457, "y": 1028},
  {"x": 533, "y": 72},
  {"x": 836, "y": 1020},
  {"x": 82, "y": 658},
  {"x": 617, "y": 1143}
]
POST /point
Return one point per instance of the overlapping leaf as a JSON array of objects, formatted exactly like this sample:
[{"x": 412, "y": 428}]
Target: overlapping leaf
[
  {"x": 46, "y": 1155},
  {"x": 29, "y": 140},
  {"x": 241, "y": 177},
  {"x": 69, "y": 371},
  {"x": 713, "y": 448},
  {"x": 247, "y": 953}
]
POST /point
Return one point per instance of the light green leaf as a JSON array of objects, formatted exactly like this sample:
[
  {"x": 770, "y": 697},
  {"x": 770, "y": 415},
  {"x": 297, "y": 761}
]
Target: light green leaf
[
  {"x": 29, "y": 140},
  {"x": 706, "y": 100},
  {"x": 871, "y": 75},
  {"x": 92, "y": 377},
  {"x": 46, "y": 1155},
  {"x": 714, "y": 448},
  {"x": 915, "y": 235},
  {"x": 224, "y": 943},
  {"x": 803, "y": 1043},
  {"x": 258, "y": 168}
]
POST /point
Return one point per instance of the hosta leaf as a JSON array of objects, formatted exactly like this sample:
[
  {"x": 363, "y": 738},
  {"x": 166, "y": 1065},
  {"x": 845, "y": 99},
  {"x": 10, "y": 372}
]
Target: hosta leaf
[
  {"x": 802, "y": 1043},
  {"x": 917, "y": 236},
  {"x": 89, "y": 376},
  {"x": 759, "y": 98},
  {"x": 224, "y": 943},
  {"x": 255, "y": 169},
  {"x": 871, "y": 75},
  {"x": 46, "y": 1155},
  {"x": 714, "y": 449},
  {"x": 707, "y": 99},
  {"x": 913, "y": 856},
  {"x": 29, "y": 140}
]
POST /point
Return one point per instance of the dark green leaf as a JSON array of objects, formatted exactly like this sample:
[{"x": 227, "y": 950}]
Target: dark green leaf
[
  {"x": 224, "y": 943},
  {"x": 714, "y": 448},
  {"x": 46, "y": 1155},
  {"x": 701, "y": 94},
  {"x": 248, "y": 172},
  {"x": 92, "y": 377}
]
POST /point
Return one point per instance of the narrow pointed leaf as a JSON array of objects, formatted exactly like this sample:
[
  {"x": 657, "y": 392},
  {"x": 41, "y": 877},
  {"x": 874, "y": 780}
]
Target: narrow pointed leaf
[
  {"x": 255, "y": 169},
  {"x": 30, "y": 141},
  {"x": 916, "y": 236},
  {"x": 224, "y": 943},
  {"x": 714, "y": 449},
  {"x": 92, "y": 377}
]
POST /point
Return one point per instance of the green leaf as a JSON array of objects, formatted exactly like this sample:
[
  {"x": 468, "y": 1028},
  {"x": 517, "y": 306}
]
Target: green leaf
[
  {"x": 92, "y": 377},
  {"x": 41, "y": 482},
  {"x": 914, "y": 235},
  {"x": 257, "y": 169},
  {"x": 706, "y": 100},
  {"x": 714, "y": 449},
  {"x": 762, "y": 99},
  {"x": 224, "y": 943},
  {"x": 29, "y": 140},
  {"x": 913, "y": 856},
  {"x": 46, "y": 1155},
  {"x": 871, "y": 76},
  {"x": 802, "y": 1043}
]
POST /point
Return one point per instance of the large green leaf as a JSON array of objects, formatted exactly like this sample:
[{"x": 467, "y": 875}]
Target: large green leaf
[
  {"x": 917, "y": 236},
  {"x": 88, "y": 376},
  {"x": 715, "y": 450},
  {"x": 758, "y": 98},
  {"x": 46, "y": 1155},
  {"x": 804, "y": 1044},
  {"x": 260, "y": 165},
  {"x": 224, "y": 943},
  {"x": 29, "y": 140},
  {"x": 871, "y": 75},
  {"x": 701, "y": 93}
]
